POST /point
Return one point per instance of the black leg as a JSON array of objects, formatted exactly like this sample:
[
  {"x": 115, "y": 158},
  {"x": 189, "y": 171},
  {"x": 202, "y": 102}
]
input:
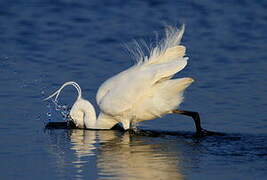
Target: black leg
[
  {"x": 194, "y": 115},
  {"x": 199, "y": 130}
]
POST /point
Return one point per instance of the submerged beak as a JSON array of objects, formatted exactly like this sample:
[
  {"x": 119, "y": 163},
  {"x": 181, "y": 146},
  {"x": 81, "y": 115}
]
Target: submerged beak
[{"x": 71, "y": 122}]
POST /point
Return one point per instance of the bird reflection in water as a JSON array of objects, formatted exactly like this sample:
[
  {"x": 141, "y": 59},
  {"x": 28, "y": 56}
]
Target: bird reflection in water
[{"x": 125, "y": 156}]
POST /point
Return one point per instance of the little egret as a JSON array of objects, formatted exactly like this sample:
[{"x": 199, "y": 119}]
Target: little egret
[{"x": 142, "y": 92}]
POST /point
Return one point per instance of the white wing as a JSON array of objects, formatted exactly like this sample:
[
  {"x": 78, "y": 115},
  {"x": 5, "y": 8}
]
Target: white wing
[
  {"x": 123, "y": 91},
  {"x": 127, "y": 88}
]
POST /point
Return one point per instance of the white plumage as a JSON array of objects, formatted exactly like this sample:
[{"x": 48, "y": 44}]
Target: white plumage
[{"x": 144, "y": 91}]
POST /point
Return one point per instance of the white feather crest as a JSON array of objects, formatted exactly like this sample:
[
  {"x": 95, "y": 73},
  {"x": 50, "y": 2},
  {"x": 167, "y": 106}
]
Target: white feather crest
[{"x": 166, "y": 49}]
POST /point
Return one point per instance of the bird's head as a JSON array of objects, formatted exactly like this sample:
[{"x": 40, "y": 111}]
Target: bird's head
[{"x": 81, "y": 111}]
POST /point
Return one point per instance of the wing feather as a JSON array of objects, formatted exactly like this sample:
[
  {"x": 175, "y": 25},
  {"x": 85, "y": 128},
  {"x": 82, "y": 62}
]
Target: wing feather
[
  {"x": 166, "y": 50},
  {"x": 127, "y": 88},
  {"x": 121, "y": 92}
]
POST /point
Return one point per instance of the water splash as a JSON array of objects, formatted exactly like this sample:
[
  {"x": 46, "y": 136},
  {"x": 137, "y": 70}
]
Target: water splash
[
  {"x": 63, "y": 109},
  {"x": 48, "y": 113},
  {"x": 56, "y": 108}
]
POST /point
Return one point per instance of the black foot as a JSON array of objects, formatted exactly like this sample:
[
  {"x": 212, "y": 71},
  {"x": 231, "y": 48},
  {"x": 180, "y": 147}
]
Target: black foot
[{"x": 203, "y": 133}]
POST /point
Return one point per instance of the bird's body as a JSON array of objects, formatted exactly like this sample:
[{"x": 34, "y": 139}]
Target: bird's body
[
  {"x": 143, "y": 92},
  {"x": 139, "y": 94}
]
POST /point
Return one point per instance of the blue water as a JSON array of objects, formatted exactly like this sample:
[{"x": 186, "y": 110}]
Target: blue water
[{"x": 45, "y": 43}]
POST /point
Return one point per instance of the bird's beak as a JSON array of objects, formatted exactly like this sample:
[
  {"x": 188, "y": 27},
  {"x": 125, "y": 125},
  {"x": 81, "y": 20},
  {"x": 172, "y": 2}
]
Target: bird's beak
[{"x": 69, "y": 117}]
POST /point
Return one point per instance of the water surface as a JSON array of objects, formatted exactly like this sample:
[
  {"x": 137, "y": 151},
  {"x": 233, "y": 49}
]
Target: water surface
[{"x": 45, "y": 43}]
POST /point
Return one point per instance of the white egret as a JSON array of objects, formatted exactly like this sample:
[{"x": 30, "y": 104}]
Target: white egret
[{"x": 142, "y": 92}]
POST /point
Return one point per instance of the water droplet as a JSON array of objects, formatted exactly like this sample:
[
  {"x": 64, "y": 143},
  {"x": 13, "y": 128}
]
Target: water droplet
[
  {"x": 48, "y": 114},
  {"x": 64, "y": 107},
  {"x": 58, "y": 107}
]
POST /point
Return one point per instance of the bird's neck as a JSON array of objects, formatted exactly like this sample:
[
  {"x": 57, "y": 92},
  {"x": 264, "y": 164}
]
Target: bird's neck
[
  {"x": 89, "y": 117},
  {"x": 83, "y": 114}
]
